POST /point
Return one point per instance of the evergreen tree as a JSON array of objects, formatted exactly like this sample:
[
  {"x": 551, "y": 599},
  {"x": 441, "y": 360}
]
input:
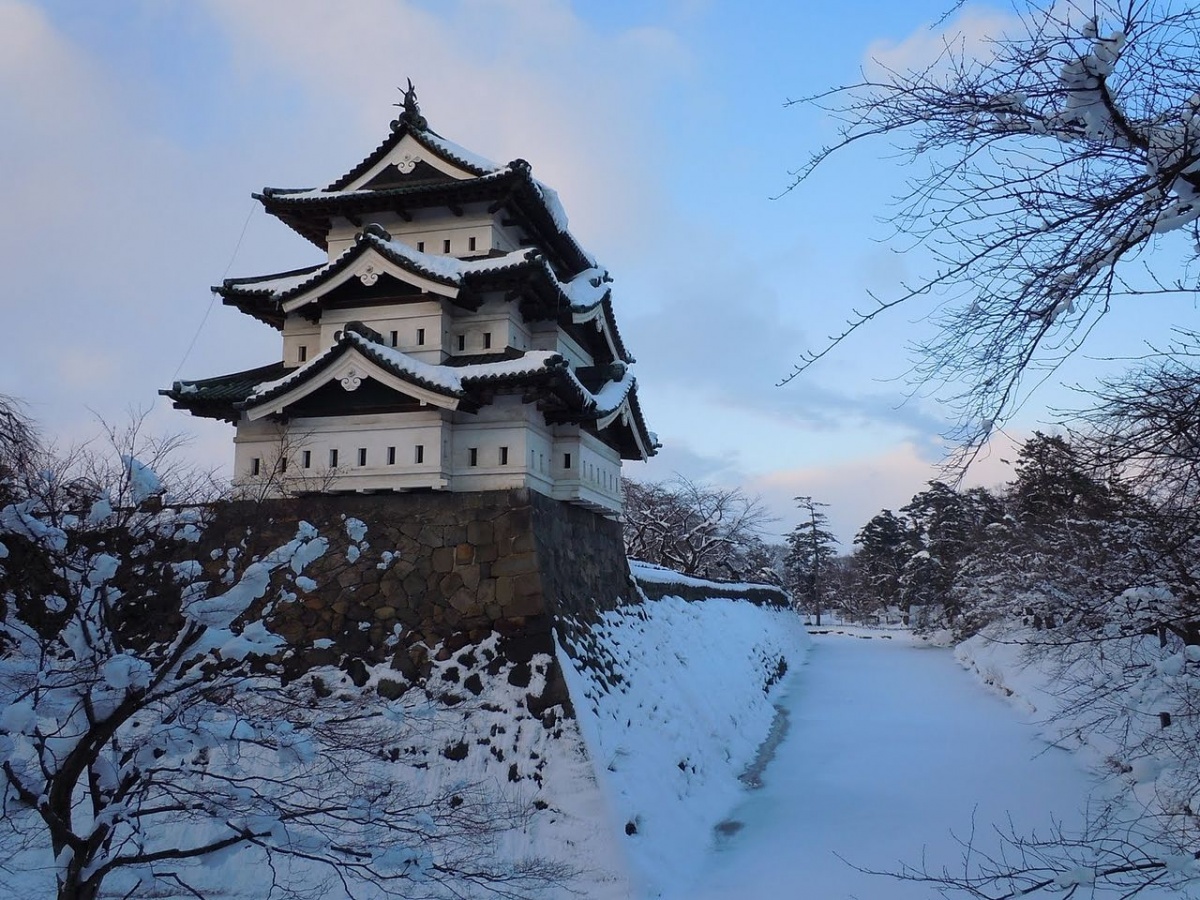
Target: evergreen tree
[
  {"x": 881, "y": 555},
  {"x": 810, "y": 550}
]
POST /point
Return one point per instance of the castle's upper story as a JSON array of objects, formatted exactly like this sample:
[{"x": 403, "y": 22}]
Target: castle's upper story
[{"x": 452, "y": 289}]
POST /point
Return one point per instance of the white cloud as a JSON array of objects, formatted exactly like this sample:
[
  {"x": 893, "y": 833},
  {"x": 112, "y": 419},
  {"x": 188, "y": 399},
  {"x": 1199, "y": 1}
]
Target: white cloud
[
  {"x": 507, "y": 78},
  {"x": 969, "y": 33}
]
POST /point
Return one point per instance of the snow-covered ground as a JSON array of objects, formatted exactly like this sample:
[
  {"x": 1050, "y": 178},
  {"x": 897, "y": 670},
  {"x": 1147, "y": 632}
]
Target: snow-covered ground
[{"x": 891, "y": 748}]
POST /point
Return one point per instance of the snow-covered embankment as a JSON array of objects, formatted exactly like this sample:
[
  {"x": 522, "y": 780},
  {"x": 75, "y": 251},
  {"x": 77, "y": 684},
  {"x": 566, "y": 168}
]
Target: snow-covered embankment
[{"x": 673, "y": 698}]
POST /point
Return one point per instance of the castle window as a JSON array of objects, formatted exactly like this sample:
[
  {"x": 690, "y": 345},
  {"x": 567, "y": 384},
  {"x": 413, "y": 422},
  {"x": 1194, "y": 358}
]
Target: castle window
[
  {"x": 566, "y": 460},
  {"x": 445, "y": 246},
  {"x": 391, "y": 456},
  {"x": 282, "y": 463},
  {"x": 255, "y": 466},
  {"x": 472, "y": 456},
  {"x": 420, "y": 246},
  {"x": 470, "y": 243},
  {"x": 362, "y": 456},
  {"x": 395, "y": 338},
  {"x": 302, "y": 353},
  {"x": 420, "y": 336},
  {"x": 333, "y": 458},
  {"x": 462, "y": 342},
  {"x": 419, "y": 454},
  {"x": 504, "y": 456},
  {"x": 306, "y": 458},
  {"x": 487, "y": 340}
]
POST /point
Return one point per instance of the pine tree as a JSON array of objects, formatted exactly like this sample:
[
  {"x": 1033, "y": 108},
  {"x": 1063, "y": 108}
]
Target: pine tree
[{"x": 810, "y": 550}]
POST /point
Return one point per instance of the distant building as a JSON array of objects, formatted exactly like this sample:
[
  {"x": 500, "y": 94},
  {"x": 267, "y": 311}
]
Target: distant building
[{"x": 458, "y": 338}]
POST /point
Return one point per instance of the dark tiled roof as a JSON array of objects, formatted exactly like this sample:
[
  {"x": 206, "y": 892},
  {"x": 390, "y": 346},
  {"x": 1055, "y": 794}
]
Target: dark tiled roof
[
  {"x": 400, "y": 128},
  {"x": 309, "y": 212},
  {"x": 217, "y": 398}
]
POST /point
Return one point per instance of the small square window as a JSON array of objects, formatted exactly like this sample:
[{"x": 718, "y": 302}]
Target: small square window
[
  {"x": 333, "y": 458},
  {"x": 420, "y": 246},
  {"x": 306, "y": 458},
  {"x": 419, "y": 453},
  {"x": 462, "y": 342},
  {"x": 566, "y": 460},
  {"x": 362, "y": 456},
  {"x": 487, "y": 340},
  {"x": 302, "y": 353},
  {"x": 395, "y": 338},
  {"x": 472, "y": 456},
  {"x": 420, "y": 336},
  {"x": 470, "y": 243},
  {"x": 445, "y": 246},
  {"x": 255, "y": 466},
  {"x": 504, "y": 456},
  {"x": 391, "y": 456}
]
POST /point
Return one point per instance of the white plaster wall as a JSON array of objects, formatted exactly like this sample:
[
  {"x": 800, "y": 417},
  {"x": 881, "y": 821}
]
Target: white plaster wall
[
  {"x": 496, "y": 317},
  {"x": 349, "y": 434},
  {"x": 547, "y": 336},
  {"x": 430, "y": 227},
  {"x": 300, "y": 332},
  {"x": 403, "y": 318}
]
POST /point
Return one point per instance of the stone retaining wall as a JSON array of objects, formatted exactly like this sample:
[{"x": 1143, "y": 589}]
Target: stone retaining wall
[{"x": 435, "y": 570}]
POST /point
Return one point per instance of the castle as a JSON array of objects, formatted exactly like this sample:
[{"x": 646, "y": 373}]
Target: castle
[{"x": 457, "y": 338}]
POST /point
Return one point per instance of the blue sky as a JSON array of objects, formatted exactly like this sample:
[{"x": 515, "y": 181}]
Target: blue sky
[{"x": 135, "y": 131}]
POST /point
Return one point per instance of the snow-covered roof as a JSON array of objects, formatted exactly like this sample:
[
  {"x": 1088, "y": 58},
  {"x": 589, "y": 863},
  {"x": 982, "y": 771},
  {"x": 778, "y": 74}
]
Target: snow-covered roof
[{"x": 587, "y": 296}]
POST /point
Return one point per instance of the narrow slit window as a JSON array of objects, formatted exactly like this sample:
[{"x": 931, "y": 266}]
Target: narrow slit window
[
  {"x": 472, "y": 456},
  {"x": 471, "y": 243},
  {"x": 445, "y": 246},
  {"x": 282, "y": 463},
  {"x": 420, "y": 336},
  {"x": 333, "y": 458},
  {"x": 395, "y": 338},
  {"x": 255, "y": 466},
  {"x": 419, "y": 454},
  {"x": 391, "y": 456},
  {"x": 362, "y": 456},
  {"x": 487, "y": 340},
  {"x": 566, "y": 460},
  {"x": 504, "y": 456},
  {"x": 420, "y": 246},
  {"x": 462, "y": 342},
  {"x": 302, "y": 353},
  {"x": 306, "y": 458}
]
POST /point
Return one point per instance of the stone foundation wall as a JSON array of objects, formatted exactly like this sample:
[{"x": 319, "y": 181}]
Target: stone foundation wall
[{"x": 435, "y": 570}]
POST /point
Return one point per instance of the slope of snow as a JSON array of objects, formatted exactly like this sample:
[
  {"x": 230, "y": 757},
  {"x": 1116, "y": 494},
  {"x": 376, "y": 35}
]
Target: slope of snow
[{"x": 674, "y": 699}]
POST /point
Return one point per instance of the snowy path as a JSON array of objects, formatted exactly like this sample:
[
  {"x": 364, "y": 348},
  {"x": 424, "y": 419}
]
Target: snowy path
[{"x": 889, "y": 747}]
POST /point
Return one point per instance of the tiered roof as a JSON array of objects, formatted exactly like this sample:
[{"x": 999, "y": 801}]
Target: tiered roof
[
  {"x": 390, "y": 180},
  {"x": 416, "y": 169},
  {"x": 391, "y": 266},
  {"x": 359, "y": 356}
]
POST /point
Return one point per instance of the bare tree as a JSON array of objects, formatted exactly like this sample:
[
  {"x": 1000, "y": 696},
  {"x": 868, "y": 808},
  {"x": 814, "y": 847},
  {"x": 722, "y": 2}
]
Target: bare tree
[
  {"x": 1047, "y": 164},
  {"x": 144, "y": 724},
  {"x": 696, "y": 529}
]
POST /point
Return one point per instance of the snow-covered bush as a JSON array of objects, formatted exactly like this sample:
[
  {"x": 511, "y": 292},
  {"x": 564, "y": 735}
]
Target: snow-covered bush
[{"x": 144, "y": 726}]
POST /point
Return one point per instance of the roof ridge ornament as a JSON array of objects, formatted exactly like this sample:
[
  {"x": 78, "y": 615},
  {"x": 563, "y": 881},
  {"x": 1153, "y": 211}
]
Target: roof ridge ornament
[{"x": 410, "y": 111}]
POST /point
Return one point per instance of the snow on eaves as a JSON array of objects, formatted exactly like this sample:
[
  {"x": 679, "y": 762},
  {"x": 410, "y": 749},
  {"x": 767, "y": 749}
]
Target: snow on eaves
[
  {"x": 457, "y": 153},
  {"x": 583, "y": 292},
  {"x": 453, "y": 380}
]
